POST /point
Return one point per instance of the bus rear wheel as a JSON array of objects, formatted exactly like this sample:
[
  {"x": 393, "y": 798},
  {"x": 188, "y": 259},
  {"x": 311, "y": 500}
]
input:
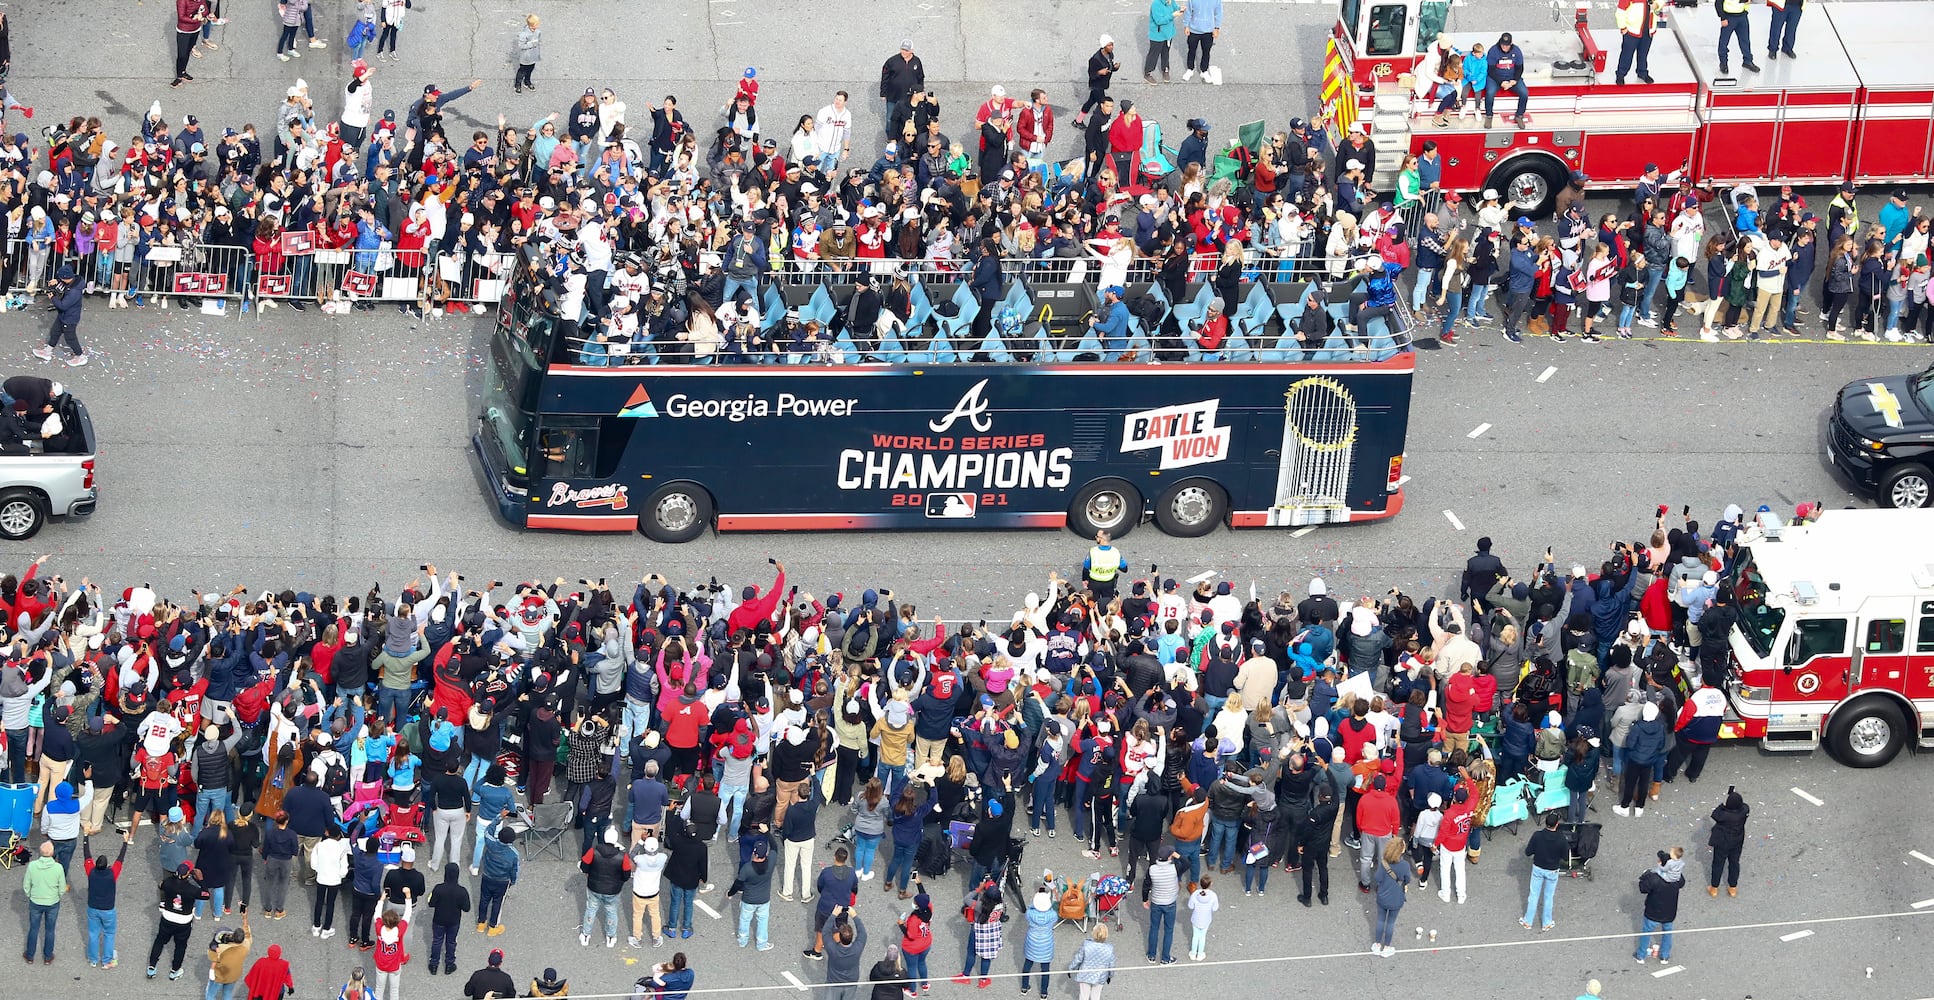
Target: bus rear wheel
[
  {"x": 676, "y": 512},
  {"x": 1111, "y": 505},
  {"x": 1191, "y": 508}
]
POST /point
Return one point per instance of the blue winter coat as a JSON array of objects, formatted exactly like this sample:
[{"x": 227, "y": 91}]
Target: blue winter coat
[{"x": 1645, "y": 743}]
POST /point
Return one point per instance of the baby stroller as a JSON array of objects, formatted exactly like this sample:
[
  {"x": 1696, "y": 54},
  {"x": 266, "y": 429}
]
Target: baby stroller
[
  {"x": 1015, "y": 847},
  {"x": 1105, "y": 898},
  {"x": 1581, "y": 846}
]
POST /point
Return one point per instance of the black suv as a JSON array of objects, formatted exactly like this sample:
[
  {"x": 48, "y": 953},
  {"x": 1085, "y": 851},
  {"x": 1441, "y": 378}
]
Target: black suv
[{"x": 1881, "y": 438}]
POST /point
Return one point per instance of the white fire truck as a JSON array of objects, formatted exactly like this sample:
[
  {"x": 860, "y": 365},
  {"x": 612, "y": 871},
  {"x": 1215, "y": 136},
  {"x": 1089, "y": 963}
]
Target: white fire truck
[
  {"x": 1835, "y": 642},
  {"x": 1856, "y": 105}
]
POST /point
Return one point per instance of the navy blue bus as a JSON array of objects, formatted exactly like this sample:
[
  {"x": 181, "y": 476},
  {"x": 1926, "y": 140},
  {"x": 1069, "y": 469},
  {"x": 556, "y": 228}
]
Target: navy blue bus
[{"x": 932, "y": 439}]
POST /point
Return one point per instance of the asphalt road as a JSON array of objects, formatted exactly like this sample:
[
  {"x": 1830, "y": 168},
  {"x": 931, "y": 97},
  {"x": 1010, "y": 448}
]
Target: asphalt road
[{"x": 323, "y": 454}]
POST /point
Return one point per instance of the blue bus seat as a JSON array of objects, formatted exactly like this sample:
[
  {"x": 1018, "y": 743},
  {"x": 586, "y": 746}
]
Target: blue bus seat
[{"x": 956, "y": 325}]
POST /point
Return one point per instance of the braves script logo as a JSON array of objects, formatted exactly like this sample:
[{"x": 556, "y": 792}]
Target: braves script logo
[
  {"x": 612, "y": 496},
  {"x": 971, "y": 407}
]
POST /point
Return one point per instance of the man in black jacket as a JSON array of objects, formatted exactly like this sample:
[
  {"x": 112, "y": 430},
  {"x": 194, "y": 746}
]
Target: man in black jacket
[
  {"x": 1147, "y": 817},
  {"x": 491, "y": 982},
  {"x": 1101, "y": 72},
  {"x": 1481, "y": 572},
  {"x": 1660, "y": 887},
  {"x": 901, "y": 76},
  {"x": 606, "y": 869},
  {"x": 1548, "y": 851}
]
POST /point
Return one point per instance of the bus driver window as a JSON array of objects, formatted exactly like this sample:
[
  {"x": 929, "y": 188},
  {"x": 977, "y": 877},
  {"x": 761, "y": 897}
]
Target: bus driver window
[{"x": 563, "y": 450}]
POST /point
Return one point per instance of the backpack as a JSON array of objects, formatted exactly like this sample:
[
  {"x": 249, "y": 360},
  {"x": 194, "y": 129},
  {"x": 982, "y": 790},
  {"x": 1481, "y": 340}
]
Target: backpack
[
  {"x": 935, "y": 856},
  {"x": 335, "y": 778}
]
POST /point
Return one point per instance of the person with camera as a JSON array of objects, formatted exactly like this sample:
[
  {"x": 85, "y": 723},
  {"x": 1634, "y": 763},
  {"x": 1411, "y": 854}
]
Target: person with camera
[{"x": 227, "y": 957}]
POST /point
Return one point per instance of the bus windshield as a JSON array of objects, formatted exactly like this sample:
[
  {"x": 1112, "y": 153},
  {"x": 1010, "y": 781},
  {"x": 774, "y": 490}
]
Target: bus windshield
[
  {"x": 1759, "y": 622},
  {"x": 506, "y": 424}
]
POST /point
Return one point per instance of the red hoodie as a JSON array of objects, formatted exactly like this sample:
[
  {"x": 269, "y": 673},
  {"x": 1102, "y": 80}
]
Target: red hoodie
[
  {"x": 1376, "y": 813},
  {"x": 758, "y": 609},
  {"x": 268, "y": 978}
]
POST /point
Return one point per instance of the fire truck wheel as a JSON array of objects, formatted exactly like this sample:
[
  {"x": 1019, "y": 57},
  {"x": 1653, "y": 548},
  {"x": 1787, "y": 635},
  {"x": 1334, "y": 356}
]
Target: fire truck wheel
[
  {"x": 1111, "y": 505},
  {"x": 676, "y": 512},
  {"x": 1192, "y": 508},
  {"x": 1530, "y": 184},
  {"x": 1907, "y": 486},
  {"x": 1867, "y": 733}
]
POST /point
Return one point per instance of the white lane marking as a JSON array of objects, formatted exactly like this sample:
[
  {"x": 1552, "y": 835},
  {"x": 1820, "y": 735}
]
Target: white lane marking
[
  {"x": 1304, "y": 530},
  {"x": 1204, "y": 575},
  {"x": 1454, "y": 522},
  {"x": 1667, "y": 971},
  {"x": 1402, "y": 480},
  {"x": 1478, "y": 432},
  {"x": 702, "y": 908},
  {"x": 1923, "y": 857},
  {"x": 1924, "y": 904},
  {"x": 1796, "y": 935},
  {"x": 794, "y": 980},
  {"x": 1816, "y": 800},
  {"x": 1548, "y": 372}
]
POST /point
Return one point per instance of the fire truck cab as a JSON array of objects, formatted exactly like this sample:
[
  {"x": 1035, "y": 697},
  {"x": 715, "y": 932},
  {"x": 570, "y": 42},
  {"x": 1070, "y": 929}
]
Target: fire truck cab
[
  {"x": 1856, "y": 105},
  {"x": 1835, "y": 642}
]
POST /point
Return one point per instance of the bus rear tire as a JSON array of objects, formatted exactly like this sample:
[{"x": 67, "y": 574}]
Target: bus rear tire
[
  {"x": 1868, "y": 733},
  {"x": 1111, "y": 505},
  {"x": 676, "y": 512},
  {"x": 1192, "y": 508}
]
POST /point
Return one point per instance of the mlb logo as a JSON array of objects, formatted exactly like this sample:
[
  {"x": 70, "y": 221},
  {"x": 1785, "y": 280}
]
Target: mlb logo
[{"x": 950, "y": 505}]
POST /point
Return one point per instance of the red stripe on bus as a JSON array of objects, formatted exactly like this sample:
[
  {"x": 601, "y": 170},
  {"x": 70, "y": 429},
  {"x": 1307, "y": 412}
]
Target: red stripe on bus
[{"x": 583, "y": 522}]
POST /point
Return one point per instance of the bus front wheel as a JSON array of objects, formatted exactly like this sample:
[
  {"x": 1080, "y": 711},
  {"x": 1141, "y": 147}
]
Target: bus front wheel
[
  {"x": 1111, "y": 505},
  {"x": 676, "y": 512},
  {"x": 1192, "y": 508}
]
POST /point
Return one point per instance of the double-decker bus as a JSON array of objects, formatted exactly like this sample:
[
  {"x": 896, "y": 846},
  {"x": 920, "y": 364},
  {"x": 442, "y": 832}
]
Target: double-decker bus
[{"x": 919, "y": 435}]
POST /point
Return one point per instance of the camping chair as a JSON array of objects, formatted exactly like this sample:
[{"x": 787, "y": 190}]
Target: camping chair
[
  {"x": 544, "y": 827},
  {"x": 1156, "y": 161}
]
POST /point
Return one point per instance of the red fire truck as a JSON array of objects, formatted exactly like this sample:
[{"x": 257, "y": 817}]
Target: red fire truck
[
  {"x": 1857, "y": 105},
  {"x": 1835, "y": 642}
]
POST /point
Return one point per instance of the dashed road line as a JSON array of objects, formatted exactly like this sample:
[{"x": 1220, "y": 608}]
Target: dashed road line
[
  {"x": 1924, "y": 904},
  {"x": 1478, "y": 432},
  {"x": 707, "y": 910},
  {"x": 1796, "y": 935},
  {"x": 1816, "y": 800},
  {"x": 1920, "y": 856},
  {"x": 1548, "y": 372},
  {"x": 1454, "y": 522},
  {"x": 1668, "y": 971},
  {"x": 1304, "y": 530},
  {"x": 794, "y": 980}
]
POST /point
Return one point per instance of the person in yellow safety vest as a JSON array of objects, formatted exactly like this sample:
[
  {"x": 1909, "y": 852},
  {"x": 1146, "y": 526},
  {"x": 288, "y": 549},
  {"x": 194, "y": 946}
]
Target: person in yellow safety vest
[
  {"x": 1103, "y": 564},
  {"x": 1843, "y": 214},
  {"x": 1638, "y": 21},
  {"x": 1734, "y": 22}
]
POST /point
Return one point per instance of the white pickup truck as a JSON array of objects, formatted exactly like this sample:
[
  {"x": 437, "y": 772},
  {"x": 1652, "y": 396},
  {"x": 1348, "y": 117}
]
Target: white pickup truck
[{"x": 36, "y": 485}]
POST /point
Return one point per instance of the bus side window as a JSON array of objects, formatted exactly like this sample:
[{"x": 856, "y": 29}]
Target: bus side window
[
  {"x": 1432, "y": 16},
  {"x": 614, "y": 436},
  {"x": 1816, "y": 637},
  {"x": 1385, "y": 35},
  {"x": 1886, "y": 635}
]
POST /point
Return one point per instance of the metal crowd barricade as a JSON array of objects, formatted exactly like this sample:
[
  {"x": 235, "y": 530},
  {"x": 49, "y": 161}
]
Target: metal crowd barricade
[{"x": 478, "y": 280}]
